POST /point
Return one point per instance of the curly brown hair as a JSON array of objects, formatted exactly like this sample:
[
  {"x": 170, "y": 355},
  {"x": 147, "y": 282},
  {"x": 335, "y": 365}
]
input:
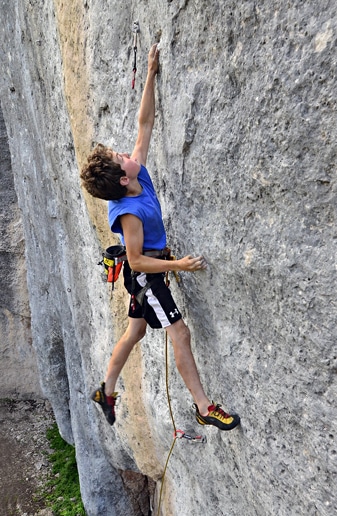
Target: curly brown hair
[{"x": 101, "y": 176}]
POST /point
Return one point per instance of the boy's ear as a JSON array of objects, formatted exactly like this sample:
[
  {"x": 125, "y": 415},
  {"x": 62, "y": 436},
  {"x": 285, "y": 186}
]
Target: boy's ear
[{"x": 124, "y": 181}]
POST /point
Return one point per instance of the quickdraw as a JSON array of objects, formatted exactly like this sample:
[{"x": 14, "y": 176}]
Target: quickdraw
[
  {"x": 135, "y": 30},
  {"x": 180, "y": 434}
]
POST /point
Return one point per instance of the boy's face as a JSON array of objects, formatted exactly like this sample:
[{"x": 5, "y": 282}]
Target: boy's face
[{"x": 130, "y": 166}]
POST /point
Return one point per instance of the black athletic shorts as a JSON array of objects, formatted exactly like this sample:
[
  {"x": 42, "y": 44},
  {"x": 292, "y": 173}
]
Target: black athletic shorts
[{"x": 158, "y": 307}]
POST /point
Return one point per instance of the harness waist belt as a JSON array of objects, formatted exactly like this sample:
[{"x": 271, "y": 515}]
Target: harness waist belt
[{"x": 158, "y": 253}]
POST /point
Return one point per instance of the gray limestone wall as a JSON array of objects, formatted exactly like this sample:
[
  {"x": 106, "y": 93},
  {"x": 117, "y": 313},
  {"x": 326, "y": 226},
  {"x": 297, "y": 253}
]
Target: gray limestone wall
[
  {"x": 18, "y": 366},
  {"x": 244, "y": 160}
]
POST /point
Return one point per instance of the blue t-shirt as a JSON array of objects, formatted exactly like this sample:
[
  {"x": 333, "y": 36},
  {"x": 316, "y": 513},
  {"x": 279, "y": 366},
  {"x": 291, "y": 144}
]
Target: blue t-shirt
[{"x": 144, "y": 206}]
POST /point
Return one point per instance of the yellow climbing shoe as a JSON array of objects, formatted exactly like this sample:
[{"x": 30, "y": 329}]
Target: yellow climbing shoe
[
  {"x": 106, "y": 402},
  {"x": 217, "y": 417}
]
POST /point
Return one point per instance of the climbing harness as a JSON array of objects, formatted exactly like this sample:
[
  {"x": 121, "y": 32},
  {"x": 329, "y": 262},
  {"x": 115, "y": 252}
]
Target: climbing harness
[
  {"x": 135, "y": 31},
  {"x": 177, "y": 434},
  {"x": 115, "y": 255},
  {"x": 139, "y": 297}
]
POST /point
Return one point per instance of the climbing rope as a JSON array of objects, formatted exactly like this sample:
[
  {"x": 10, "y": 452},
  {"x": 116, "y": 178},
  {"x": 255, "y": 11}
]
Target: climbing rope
[
  {"x": 167, "y": 384},
  {"x": 177, "y": 434},
  {"x": 171, "y": 412}
]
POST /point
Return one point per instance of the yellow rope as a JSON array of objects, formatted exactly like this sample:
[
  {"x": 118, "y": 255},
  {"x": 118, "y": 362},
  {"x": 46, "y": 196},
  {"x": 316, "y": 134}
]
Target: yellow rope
[
  {"x": 163, "y": 477},
  {"x": 166, "y": 369},
  {"x": 171, "y": 414},
  {"x": 167, "y": 384},
  {"x": 169, "y": 401}
]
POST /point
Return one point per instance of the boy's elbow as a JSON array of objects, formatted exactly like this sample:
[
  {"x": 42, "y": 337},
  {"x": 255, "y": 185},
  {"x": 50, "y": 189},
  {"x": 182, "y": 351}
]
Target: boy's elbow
[
  {"x": 146, "y": 123},
  {"x": 135, "y": 264}
]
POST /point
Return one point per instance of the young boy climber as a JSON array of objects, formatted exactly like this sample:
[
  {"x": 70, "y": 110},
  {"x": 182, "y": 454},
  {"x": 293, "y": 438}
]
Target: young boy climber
[{"x": 135, "y": 213}]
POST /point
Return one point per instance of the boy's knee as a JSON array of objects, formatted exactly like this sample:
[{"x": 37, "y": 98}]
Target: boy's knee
[
  {"x": 183, "y": 333},
  {"x": 138, "y": 335},
  {"x": 186, "y": 334},
  {"x": 183, "y": 338},
  {"x": 135, "y": 333}
]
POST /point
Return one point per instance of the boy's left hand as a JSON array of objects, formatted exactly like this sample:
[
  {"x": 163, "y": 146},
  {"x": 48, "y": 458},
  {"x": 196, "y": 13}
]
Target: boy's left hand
[{"x": 153, "y": 59}]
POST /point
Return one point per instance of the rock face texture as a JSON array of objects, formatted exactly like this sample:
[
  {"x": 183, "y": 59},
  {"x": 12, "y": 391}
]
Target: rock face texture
[
  {"x": 18, "y": 367},
  {"x": 244, "y": 160}
]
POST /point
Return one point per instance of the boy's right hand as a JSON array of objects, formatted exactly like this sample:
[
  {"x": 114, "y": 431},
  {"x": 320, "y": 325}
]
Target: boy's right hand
[{"x": 192, "y": 264}]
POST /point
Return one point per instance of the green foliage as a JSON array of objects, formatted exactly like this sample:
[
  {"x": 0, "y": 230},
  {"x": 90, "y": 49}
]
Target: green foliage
[{"x": 63, "y": 489}]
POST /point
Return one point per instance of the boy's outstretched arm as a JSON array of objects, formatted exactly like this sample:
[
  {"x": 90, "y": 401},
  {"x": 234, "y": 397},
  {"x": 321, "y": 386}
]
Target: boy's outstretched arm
[{"x": 147, "y": 109}]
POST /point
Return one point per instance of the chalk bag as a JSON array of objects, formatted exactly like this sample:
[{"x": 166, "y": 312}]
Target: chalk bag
[{"x": 113, "y": 259}]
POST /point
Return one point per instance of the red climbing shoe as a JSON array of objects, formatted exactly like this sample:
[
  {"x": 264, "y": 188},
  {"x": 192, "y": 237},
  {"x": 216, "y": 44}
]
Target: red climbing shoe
[
  {"x": 107, "y": 403},
  {"x": 217, "y": 417}
]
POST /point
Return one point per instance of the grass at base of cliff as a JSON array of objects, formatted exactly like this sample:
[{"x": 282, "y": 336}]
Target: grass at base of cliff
[{"x": 62, "y": 492}]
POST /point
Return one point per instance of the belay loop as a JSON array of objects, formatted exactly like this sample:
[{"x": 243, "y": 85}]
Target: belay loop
[
  {"x": 113, "y": 258},
  {"x": 135, "y": 30}
]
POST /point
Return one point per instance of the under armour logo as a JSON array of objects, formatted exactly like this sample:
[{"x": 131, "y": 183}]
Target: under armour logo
[{"x": 172, "y": 314}]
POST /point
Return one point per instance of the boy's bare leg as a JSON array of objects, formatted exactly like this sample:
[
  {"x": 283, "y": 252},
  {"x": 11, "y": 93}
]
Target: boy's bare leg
[
  {"x": 181, "y": 341},
  {"x": 134, "y": 333}
]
